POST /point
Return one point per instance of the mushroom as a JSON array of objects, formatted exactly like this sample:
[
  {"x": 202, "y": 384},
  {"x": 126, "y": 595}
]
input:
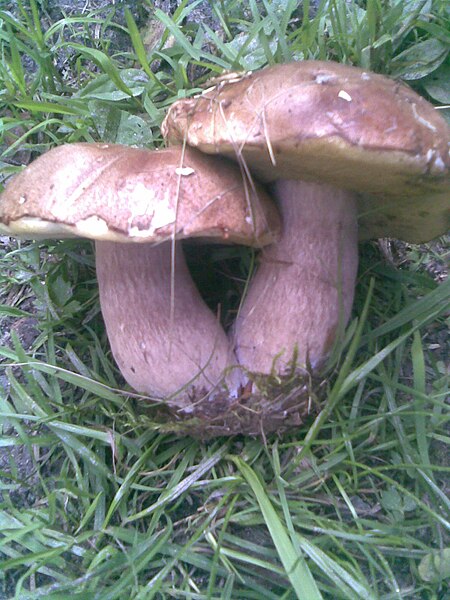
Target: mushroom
[
  {"x": 352, "y": 154},
  {"x": 137, "y": 204}
]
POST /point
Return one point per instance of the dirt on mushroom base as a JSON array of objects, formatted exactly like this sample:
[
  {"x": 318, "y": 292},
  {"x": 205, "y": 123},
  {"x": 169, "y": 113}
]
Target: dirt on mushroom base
[{"x": 277, "y": 405}]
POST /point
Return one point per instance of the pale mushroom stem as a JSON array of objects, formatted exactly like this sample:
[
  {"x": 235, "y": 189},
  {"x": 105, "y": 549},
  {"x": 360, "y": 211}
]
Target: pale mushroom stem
[
  {"x": 303, "y": 289},
  {"x": 159, "y": 349}
]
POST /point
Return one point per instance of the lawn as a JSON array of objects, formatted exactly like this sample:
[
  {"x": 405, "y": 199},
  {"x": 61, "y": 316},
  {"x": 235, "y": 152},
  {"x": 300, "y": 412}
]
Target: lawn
[{"x": 98, "y": 498}]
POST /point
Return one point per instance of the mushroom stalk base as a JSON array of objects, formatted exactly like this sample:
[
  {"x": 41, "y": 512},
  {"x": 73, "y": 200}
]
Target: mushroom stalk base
[
  {"x": 163, "y": 338},
  {"x": 303, "y": 290}
]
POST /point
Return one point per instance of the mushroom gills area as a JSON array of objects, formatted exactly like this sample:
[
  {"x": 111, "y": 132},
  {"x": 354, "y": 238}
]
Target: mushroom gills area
[
  {"x": 162, "y": 338},
  {"x": 302, "y": 292}
]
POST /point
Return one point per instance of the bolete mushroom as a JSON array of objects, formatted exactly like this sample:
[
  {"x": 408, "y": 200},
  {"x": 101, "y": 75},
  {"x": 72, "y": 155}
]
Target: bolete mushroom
[
  {"x": 351, "y": 154},
  {"x": 137, "y": 204}
]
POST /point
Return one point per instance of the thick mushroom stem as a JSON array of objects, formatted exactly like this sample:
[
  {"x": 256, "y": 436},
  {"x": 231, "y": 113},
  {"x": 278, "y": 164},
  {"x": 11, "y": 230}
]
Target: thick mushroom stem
[
  {"x": 163, "y": 338},
  {"x": 303, "y": 289}
]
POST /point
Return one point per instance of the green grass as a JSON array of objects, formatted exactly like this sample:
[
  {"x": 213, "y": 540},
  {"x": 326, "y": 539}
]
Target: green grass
[{"x": 97, "y": 501}]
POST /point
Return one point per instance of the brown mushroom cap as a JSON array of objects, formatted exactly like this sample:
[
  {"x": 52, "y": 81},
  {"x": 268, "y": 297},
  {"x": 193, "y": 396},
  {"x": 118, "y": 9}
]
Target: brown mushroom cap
[
  {"x": 122, "y": 194},
  {"x": 332, "y": 123}
]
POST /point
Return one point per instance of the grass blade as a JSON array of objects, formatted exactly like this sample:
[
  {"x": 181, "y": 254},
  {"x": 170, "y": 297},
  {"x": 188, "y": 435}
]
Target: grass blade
[{"x": 294, "y": 563}]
